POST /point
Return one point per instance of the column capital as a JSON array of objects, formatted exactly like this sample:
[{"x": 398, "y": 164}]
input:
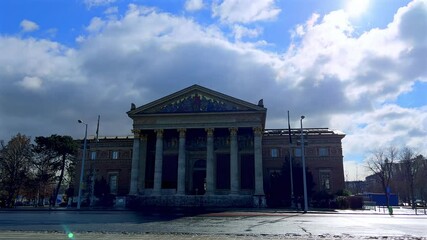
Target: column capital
[
  {"x": 233, "y": 131},
  {"x": 136, "y": 132},
  {"x": 258, "y": 131},
  {"x": 143, "y": 137},
  {"x": 159, "y": 132},
  {"x": 209, "y": 131},
  {"x": 181, "y": 132}
]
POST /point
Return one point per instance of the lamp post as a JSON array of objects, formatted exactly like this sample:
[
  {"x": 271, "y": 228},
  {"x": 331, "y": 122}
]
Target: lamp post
[
  {"x": 303, "y": 168},
  {"x": 83, "y": 165},
  {"x": 290, "y": 164},
  {"x": 291, "y": 176}
]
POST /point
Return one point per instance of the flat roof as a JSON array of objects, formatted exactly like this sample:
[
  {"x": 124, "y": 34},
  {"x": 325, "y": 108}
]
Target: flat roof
[{"x": 307, "y": 131}]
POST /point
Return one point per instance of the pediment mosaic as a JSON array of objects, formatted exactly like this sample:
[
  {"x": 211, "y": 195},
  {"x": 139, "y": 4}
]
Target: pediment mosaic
[
  {"x": 196, "y": 99},
  {"x": 197, "y": 102}
]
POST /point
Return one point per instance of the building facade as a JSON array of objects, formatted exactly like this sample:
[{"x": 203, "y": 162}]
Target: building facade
[
  {"x": 322, "y": 150},
  {"x": 201, "y": 147}
]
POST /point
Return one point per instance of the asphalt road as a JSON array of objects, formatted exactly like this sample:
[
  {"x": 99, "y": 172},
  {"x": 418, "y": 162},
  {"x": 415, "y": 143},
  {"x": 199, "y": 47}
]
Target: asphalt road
[{"x": 268, "y": 224}]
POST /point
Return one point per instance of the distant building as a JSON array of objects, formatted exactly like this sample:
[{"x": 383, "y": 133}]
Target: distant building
[
  {"x": 356, "y": 187},
  {"x": 373, "y": 184},
  {"x": 200, "y": 147}
]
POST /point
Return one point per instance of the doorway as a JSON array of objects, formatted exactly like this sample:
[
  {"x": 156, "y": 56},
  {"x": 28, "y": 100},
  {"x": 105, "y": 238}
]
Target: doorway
[{"x": 199, "y": 177}]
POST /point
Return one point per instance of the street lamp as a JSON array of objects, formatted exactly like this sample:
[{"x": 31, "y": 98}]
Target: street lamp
[
  {"x": 290, "y": 164},
  {"x": 303, "y": 168},
  {"x": 83, "y": 165}
]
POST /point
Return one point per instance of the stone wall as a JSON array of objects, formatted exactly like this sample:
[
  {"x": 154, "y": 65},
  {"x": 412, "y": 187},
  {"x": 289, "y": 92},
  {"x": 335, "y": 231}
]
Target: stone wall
[{"x": 137, "y": 202}]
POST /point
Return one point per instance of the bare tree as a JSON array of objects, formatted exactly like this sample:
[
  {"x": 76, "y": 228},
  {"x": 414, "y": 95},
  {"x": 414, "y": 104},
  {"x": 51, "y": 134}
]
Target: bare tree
[
  {"x": 14, "y": 166},
  {"x": 421, "y": 178},
  {"x": 398, "y": 182},
  {"x": 381, "y": 165},
  {"x": 410, "y": 167}
]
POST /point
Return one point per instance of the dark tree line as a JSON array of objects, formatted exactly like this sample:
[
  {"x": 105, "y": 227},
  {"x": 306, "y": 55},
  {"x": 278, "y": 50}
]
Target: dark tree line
[{"x": 36, "y": 170}]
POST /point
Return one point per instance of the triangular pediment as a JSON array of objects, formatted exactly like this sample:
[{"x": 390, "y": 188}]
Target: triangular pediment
[{"x": 196, "y": 99}]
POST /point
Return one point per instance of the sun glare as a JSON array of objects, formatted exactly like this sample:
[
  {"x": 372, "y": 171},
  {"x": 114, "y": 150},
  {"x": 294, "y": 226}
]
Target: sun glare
[{"x": 356, "y": 8}]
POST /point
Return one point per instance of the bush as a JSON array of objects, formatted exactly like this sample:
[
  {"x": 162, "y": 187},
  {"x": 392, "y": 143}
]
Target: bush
[
  {"x": 355, "y": 202},
  {"x": 322, "y": 199},
  {"x": 107, "y": 200},
  {"x": 343, "y": 192},
  {"x": 346, "y": 202},
  {"x": 342, "y": 202}
]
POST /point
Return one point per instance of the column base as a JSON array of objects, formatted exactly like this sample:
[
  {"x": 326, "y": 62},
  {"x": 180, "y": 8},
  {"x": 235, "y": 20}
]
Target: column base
[
  {"x": 259, "y": 194},
  {"x": 190, "y": 201},
  {"x": 259, "y": 201},
  {"x": 132, "y": 193},
  {"x": 155, "y": 193}
]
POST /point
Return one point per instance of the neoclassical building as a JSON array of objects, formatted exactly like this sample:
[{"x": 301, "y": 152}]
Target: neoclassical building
[
  {"x": 198, "y": 142},
  {"x": 199, "y": 147}
]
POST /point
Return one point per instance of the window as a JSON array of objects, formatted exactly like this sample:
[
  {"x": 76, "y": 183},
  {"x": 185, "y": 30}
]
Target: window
[
  {"x": 93, "y": 155},
  {"x": 274, "y": 152},
  {"x": 297, "y": 152},
  {"x": 325, "y": 179},
  {"x": 323, "y": 152},
  {"x": 112, "y": 182},
  {"x": 115, "y": 155}
]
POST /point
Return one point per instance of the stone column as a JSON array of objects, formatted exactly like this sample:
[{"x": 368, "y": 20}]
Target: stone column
[
  {"x": 133, "y": 190},
  {"x": 259, "y": 179},
  {"x": 158, "y": 163},
  {"x": 234, "y": 171},
  {"x": 180, "y": 190},
  {"x": 142, "y": 163},
  {"x": 210, "y": 187}
]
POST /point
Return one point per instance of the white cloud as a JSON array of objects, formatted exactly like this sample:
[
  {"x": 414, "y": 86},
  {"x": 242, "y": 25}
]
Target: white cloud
[
  {"x": 194, "y": 5},
  {"x": 95, "y": 25},
  {"x": 355, "y": 170},
  {"x": 388, "y": 125},
  {"x": 240, "y": 31},
  {"x": 244, "y": 11},
  {"x": 31, "y": 83},
  {"x": 97, "y": 3},
  {"x": 322, "y": 48},
  {"x": 51, "y": 32},
  {"x": 36, "y": 58},
  {"x": 329, "y": 49},
  {"x": 357, "y": 7},
  {"x": 368, "y": 70},
  {"x": 28, "y": 26},
  {"x": 111, "y": 10},
  {"x": 80, "y": 39}
]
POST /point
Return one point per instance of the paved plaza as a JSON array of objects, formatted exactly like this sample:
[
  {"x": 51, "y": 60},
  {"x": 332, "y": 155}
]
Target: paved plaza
[
  {"x": 216, "y": 225},
  {"x": 152, "y": 236}
]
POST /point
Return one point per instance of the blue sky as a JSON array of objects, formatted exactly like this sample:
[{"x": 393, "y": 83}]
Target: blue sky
[
  {"x": 358, "y": 66},
  {"x": 65, "y": 20}
]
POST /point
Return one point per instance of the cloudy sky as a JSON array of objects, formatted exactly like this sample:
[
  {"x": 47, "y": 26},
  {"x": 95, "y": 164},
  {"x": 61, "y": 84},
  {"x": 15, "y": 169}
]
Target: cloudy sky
[{"x": 359, "y": 66}]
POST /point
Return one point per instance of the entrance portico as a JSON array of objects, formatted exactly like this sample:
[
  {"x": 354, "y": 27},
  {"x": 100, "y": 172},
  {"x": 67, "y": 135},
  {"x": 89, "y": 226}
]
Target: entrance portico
[{"x": 197, "y": 142}]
